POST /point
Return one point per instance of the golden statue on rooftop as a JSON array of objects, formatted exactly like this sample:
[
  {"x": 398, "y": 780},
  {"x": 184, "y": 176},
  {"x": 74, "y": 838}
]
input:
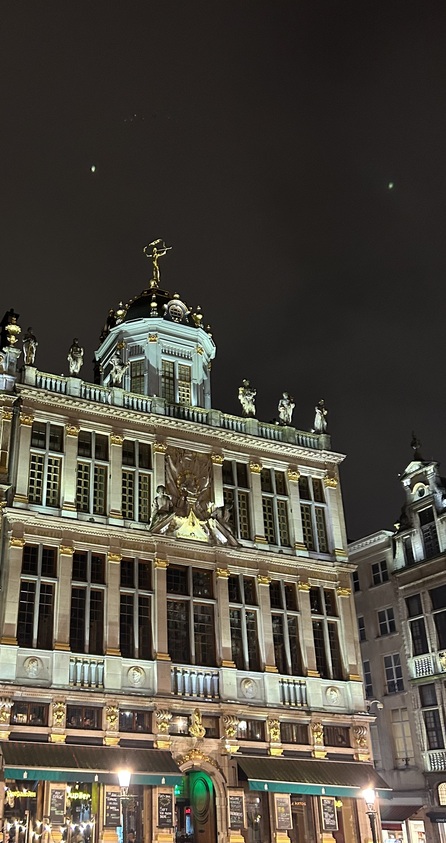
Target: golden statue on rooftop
[{"x": 155, "y": 250}]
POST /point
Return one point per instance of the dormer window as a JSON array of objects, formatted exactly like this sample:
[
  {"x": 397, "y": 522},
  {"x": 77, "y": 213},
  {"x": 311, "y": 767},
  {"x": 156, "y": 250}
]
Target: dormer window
[
  {"x": 429, "y": 532},
  {"x": 176, "y": 380}
]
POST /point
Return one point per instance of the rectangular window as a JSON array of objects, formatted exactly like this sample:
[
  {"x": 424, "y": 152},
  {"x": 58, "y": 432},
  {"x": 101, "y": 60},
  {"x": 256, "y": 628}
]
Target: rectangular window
[
  {"x": 184, "y": 384},
  {"x": 251, "y": 730},
  {"x": 29, "y": 714},
  {"x": 168, "y": 381},
  {"x": 386, "y": 621},
  {"x": 429, "y": 532},
  {"x": 136, "y": 481},
  {"x": 393, "y": 673},
  {"x": 91, "y": 487},
  {"x": 132, "y": 720},
  {"x": 402, "y": 737},
  {"x": 35, "y": 619},
  {"x": 83, "y": 717},
  {"x": 45, "y": 469},
  {"x": 295, "y": 733},
  {"x": 237, "y": 495},
  {"x": 190, "y": 619},
  {"x": 368, "y": 686},
  {"x": 137, "y": 376},
  {"x": 285, "y": 623},
  {"x": 326, "y": 633},
  {"x": 87, "y": 603},
  {"x": 313, "y": 514},
  {"x": 417, "y": 625},
  {"x": 243, "y": 619},
  {"x": 361, "y": 628},
  {"x": 275, "y": 507},
  {"x": 380, "y": 573},
  {"x": 438, "y": 600},
  {"x": 408, "y": 551},
  {"x": 355, "y": 578},
  {"x": 431, "y": 716}
]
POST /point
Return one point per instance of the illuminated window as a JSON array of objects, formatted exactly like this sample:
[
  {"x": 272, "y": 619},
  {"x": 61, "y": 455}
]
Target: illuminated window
[
  {"x": 168, "y": 381},
  {"x": 275, "y": 507},
  {"x": 92, "y": 472},
  {"x": 134, "y": 720},
  {"x": 313, "y": 513},
  {"x": 442, "y": 793},
  {"x": 45, "y": 467},
  {"x": 251, "y": 730},
  {"x": 393, "y": 673},
  {"x": 29, "y": 714},
  {"x": 184, "y": 384},
  {"x": 136, "y": 481},
  {"x": 402, "y": 737},
  {"x": 326, "y": 633},
  {"x": 137, "y": 376},
  {"x": 237, "y": 497}
]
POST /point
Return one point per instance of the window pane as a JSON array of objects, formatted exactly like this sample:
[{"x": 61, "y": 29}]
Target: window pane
[
  {"x": 177, "y": 580},
  {"x": 96, "y": 622},
  {"x": 319, "y": 647},
  {"x": 56, "y": 437},
  {"x": 77, "y": 620},
  {"x": 265, "y": 480},
  {"x": 144, "y": 575},
  {"x": 45, "y": 617},
  {"x": 25, "y": 616},
  {"x": 235, "y": 620},
  {"x": 178, "y": 631},
  {"x": 84, "y": 443},
  {"x": 438, "y": 597},
  {"x": 204, "y": 635},
  {"x": 128, "y": 573},
  {"x": 128, "y": 452},
  {"x": 38, "y": 435},
  {"x": 126, "y": 632},
  {"x": 30, "y": 559},
  {"x": 80, "y": 566}
]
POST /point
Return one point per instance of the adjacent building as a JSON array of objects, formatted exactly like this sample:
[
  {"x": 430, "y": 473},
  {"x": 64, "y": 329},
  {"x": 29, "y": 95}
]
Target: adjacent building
[
  {"x": 400, "y": 593},
  {"x": 175, "y": 601}
]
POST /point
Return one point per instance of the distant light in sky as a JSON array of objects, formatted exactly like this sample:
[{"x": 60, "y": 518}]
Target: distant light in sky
[
  {"x": 390, "y": 185},
  {"x": 93, "y": 168}
]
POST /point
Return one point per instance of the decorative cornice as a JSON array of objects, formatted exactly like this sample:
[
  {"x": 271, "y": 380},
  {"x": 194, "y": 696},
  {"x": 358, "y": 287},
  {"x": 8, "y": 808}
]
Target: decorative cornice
[
  {"x": 17, "y": 541},
  {"x": 255, "y": 467},
  {"x": 115, "y": 439},
  {"x": 161, "y": 563},
  {"x": 26, "y": 420},
  {"x": 293, "y": 475},
  {"x": 159, "y": 447},
  {"x": 222, "y": 573},
  {"x": 263, "y": 579},
  {"x": 217, "y": 459},
  {"x": 114, "y": 557},
  {"x": 72, "y": 430},
  {"x": 66, "y": 550}
]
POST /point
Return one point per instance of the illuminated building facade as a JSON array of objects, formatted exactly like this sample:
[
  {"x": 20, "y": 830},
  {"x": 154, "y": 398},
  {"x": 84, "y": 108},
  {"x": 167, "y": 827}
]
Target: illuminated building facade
[
  {"x": 400, "y": 593},
  {"x": 175, "y": 600}
]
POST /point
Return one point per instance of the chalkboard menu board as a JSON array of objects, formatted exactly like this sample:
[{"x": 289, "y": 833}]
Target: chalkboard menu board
[
  {"x": 165, "y": 810},
  {"x": 112, "y": 809},
  {"x": 236, "y": 810},
  {"x": 283, "y": 811},
  {"x": 57, "y": 804},
  {"x": 329, "y": 815}
]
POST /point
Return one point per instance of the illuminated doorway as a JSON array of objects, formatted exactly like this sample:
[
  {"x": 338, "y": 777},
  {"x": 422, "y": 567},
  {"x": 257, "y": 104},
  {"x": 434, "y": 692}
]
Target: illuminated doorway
[{"x": 195, "y": 809}]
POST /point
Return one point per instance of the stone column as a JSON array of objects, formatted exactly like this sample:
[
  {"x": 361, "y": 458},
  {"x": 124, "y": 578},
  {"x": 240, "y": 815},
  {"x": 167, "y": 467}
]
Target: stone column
[
  {"x": 257, "y": 510},
  {"x": 112, "y": 610},
  {"x": 307, "y": 643},
  {"x": 160, "y": 627},
  {"x": 159, "y": 472},
  {"x": 21, "y": 493},
  {"x": 115, "y": 495},
  {"x": 336, "y": 514},
  {"x": 62, "y": 632},
  {"x": 348, "y": 631},
  {"x": 5, "y": 441},
  {"x": 265, "y": 613},
  {"x": 217, "y": 475},
  {"x": 224, "y": 627},
  {"x": 293, "y": 486},
  {"x": 12, "y": 590},
  {"x": 69, "y": 479}
]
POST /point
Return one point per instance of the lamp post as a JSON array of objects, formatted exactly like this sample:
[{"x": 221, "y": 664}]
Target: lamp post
[
  {"x": 124, "y": 777},
  {"x": 369, "y": 797}
]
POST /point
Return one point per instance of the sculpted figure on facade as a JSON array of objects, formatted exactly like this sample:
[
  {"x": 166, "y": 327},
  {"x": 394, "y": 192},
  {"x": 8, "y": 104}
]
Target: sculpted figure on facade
[
  {"x": 59, "y": 711},
  {"x": 118, "y": 368},
  {"x": 317, "y": 731},
  {"x": 247, "y": 397},
  {"x": 230, "y": 725},
  {"x": 285, "y": 407},
  {"x": 29, "y": 347},
  {"x": 320, "y": 417},
  {"x": 162, "y": 505},
  {"x": 274, "y": 731},
  {"x": 188, "y": 480},
  {"x": 75, "y": 357},
  {"x": 360, "y": 736},
  {"x": 112, "y": 716},
  {"x": 163, "y": 718},
  {"x": 5, "y": 710},
  {"x": 196, "y": 729}
]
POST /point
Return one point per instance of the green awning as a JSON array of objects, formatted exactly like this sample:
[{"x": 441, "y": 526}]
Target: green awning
[
  {"x": 69, "y": 763},
  {"x": 314, "y": 776}
]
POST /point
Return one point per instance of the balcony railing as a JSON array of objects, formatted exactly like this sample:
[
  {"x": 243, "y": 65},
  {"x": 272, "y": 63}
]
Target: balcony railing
[
  {"x": 436, "y": 760},
  {"x": 86, "y": 673},
  {"x": 187, "y": 682},
  {"x": 293, "y": 692},
  {"x": 429, "y": 664}
]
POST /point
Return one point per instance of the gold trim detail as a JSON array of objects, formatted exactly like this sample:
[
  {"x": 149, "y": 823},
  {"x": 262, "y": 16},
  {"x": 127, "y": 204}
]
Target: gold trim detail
[
  {"x": 115, "y": 439},
  {"x": 54, "y": 738},
  {"x": 26, "y": 420},
  {"x": 9, "y": 640},
  {"x": 159, "y": 447},
  {"x": 69, "y": 507},
  {"x": 161, "y": 563},
  {"x": 319, "y": 753},
  {"x": 114, "y": 513},
  {"x": 72, "y": 430},
  {"x": 330, "y": 482},
  {"x": 199, "y": 349},
  {"x": 16, "y": 541},
  {"x": 255, "y": 467},
  {"x": 60, "y": 645},
  {"x": 217, "y": 459},
  {"x": 271, "y": 668},
  {"x": 20, "y": 498},
  {"x": 153, "y": 338},
  {"x": 260, "y": 540},
  {"x": 163, "y": 743},
  {"x": 263, "y": 579},
  {"x": 293, "y": 475},
  {"x": 114, "y": 557},
  {"x": 339, "y": 551},
  {"x": 222, "y": 573},
  {"x": 275, "y": 750},
  {"x": 6, "y": 414},
  {"x": 195, "y": 755},
  {"x": 300, "y": 546},
  {"x": 109, "y": 740},
  {"x": 113, "y": 651},
  {"x": 66, "y": 550},
  {"x": 342, "y": 591},
  {"x": 313, "y": 674},
  {"x": 303, "y": 586},
  {"x": 354, "y": 677},
  {"x": 227, "y": 663},
  {"x": 163, "y": 657}
]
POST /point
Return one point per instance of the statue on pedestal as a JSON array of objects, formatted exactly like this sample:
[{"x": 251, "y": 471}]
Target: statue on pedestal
[
  {"x": 29, "y": 347},
  {"x": 285, "y": 407},
  {"x": 118, "y": 368},
  {"x": 320, "y": 418},
  {"x": 75, "y": 357},
  {"x": 162, "y": 505},
  {"x": 247, "y": 397}
]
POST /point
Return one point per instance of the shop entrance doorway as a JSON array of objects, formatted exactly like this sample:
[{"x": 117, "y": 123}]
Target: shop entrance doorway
[{"x": 195, "y": 807}]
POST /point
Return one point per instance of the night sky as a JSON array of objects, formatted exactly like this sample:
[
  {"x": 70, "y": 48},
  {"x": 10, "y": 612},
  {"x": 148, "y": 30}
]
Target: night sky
[{"x": 259, "y": 139}]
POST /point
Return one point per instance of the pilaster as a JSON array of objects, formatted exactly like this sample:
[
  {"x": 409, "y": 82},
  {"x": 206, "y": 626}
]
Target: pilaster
[
  {"x": 335, "y": 508},
  {"x": 307, "y": 642},
  {"x": 70, "y": 469},
  {"x": 116, "y": 476},
  {"x": 160, "y": 626},
  {"x": 293, "y": 488},
  {"x": 222, "y": 596},
  {"x": 5, "y": 440},
  {"x": 159, "y": 471},
  {"x": 265, "y": 611},
  {"x": 257, "y": 510},
  {"x": 217, "y": 474},
  {"x": 348, "y": 636},
  {"x": 21, "y": 494},
  {"x": 62, "y": 634},
  {"x": 113, "y": 604},
  {"x": 12, "y": 590}
]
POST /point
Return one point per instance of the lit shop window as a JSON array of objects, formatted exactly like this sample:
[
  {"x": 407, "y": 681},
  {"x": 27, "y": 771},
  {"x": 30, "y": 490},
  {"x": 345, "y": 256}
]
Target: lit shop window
[
  {"x": 134, "y": 720},
  {"x": 83, "y": 717},
  {"x": 251, "y": 730},
  {"x": 29, "y": 714},
  {"x": 45, "y": 466}
]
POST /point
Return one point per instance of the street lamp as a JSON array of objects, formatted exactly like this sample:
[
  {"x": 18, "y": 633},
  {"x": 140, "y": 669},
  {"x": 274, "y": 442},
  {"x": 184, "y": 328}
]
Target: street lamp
[
  {"x": 124, "y": 777},
  {"x": 369, "y": 797}
]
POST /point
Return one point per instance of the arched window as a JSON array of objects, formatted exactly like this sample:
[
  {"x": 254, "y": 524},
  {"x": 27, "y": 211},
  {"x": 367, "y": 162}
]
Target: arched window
[{"x": 442, "y": 793}]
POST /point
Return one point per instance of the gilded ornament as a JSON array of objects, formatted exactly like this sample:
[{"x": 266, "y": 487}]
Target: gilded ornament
[
  {"x": 303, "y": 586},
  {"x": 263, "y": 580},
  {"x": 17, "y": 541},
  {"x": 111, "y": 716},
  {"x": 163, "y": 718},
  {"x": 230, "y": 725},
  {"x": 317, "y": 730},
  {"x": 273, "y": 730},
  {"x": 72, "y": 430},
  {"x": 200, "y": 350},
  {"x": 59, "y": 711},
  {"x": 159, "y": 447},
  {"x": 116, "y": 440},
  {"x": 222, "y": 573},
  {"x": 66, "y": 550},
  {"x": 6, "y": 414},
  {"x": 161, "y": 563},
  {"x": 12, "y": 328},
  {"x": 5, "y": 710},
  {"x": 360, "y": 736},
  {"x": 26, "y": 420},
  {"x": 255, "y": 467},
  {"x": 330, "y": 482},
  {"x": 153, "y": 337},
  {"x": 155, "y": 250},
  {"x": 217, "y": 459},
  {"x": 114, "y": 557},
  {"x": 342, "y": 591},
  {"x": 196, "y": 755},
  {"x": 293, "y": 475},
  {"x": 196, "y": 729}
]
